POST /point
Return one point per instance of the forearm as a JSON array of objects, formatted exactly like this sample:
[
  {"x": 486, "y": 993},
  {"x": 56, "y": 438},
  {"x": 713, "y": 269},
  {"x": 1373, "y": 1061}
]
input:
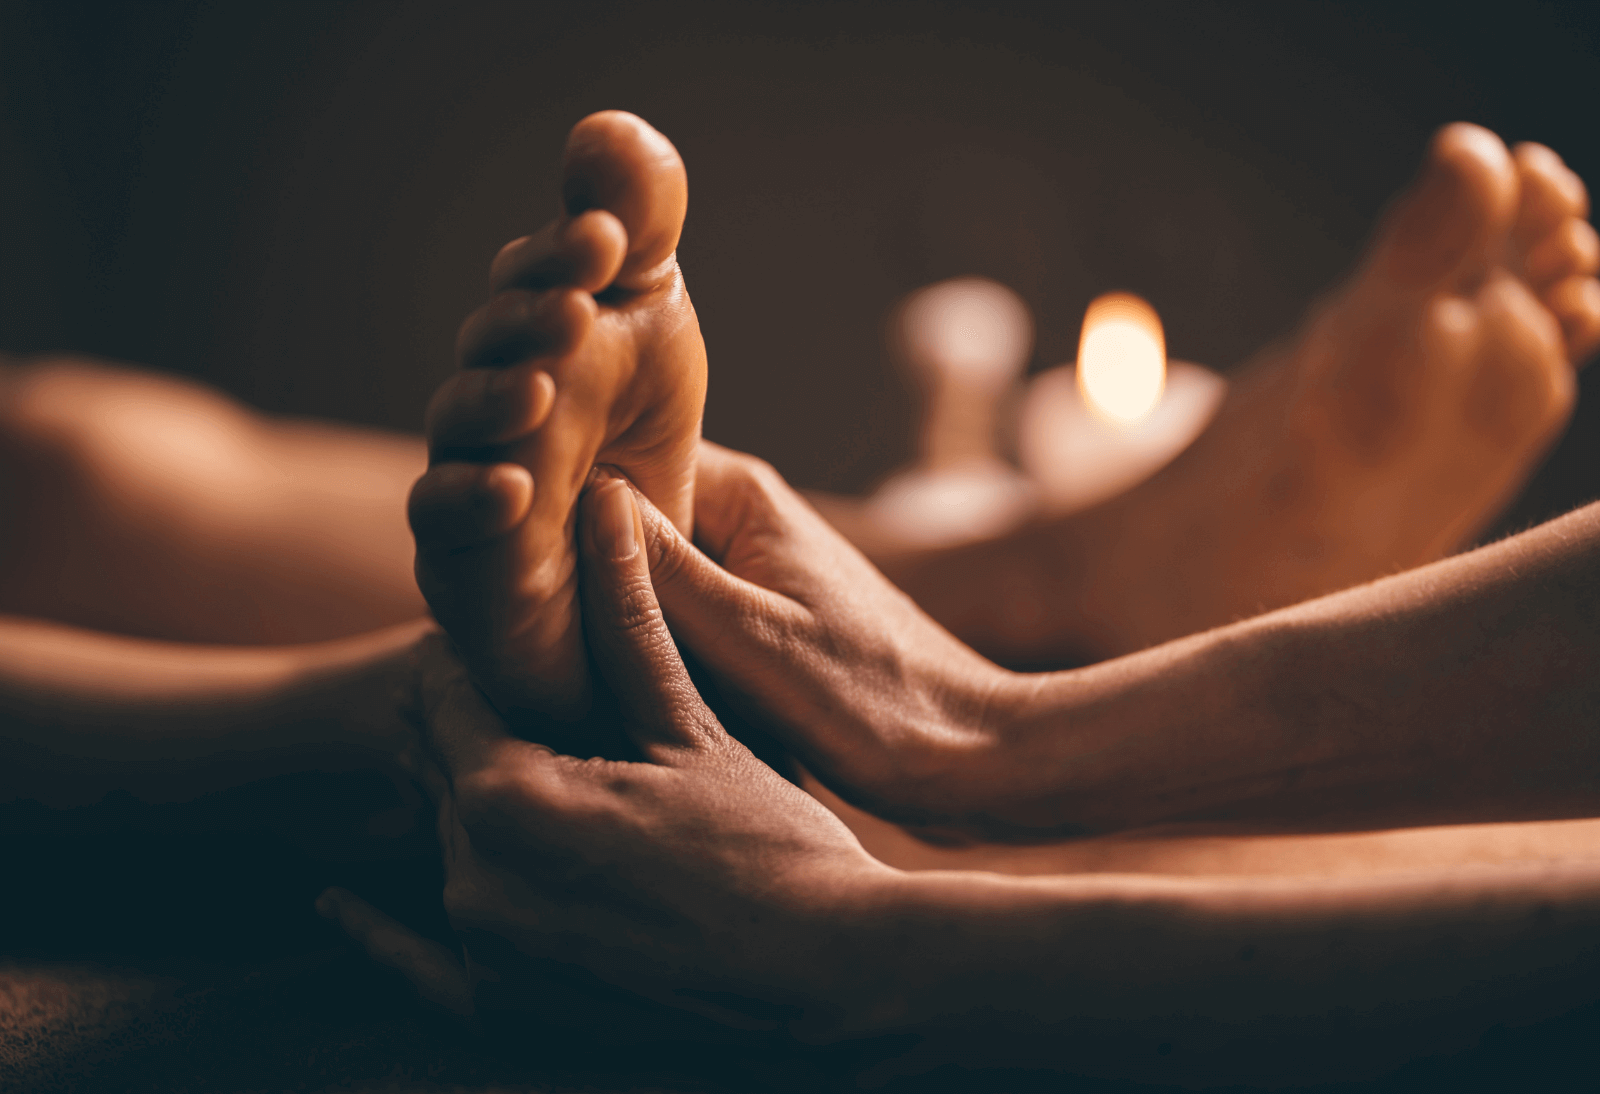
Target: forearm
[
  {"x": 83, "y": 712},
  {"x": 1466, "y": 690},
  {"x": 1093, "y": 973}
]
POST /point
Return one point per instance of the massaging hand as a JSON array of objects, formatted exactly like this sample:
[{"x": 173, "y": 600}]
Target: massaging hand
[
  {"x": 881, "y": 703},
  {"x": 694, "y": 873}
]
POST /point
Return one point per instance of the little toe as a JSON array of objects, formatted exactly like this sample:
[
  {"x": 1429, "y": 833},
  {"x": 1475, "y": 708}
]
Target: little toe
[
  {"x": 1575, "y": 301},
  {"x": 1551, "y": 193},
  {"x": 1572, "y": 249},
  {"x": 516, "y": 325},
  {"x": 482, "y": 407},
  {"x": 584, "y": 252},
  {"x": 616, "y": 161},
  {"x": 458, "y": 505},
  {"x": 1447, "y": 227}
]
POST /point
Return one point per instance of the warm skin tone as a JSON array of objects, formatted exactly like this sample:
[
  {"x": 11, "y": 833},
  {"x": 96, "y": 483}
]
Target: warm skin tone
[
  {"x": 98, "y": 463},
  {"x": 94, "y": 463},
  {"x": 146, "y": 505},
  {"x": 192, "y": 595},
  {"x": 1464, "y": 691},
  {"x": 83, "y": 713},
  {"x": 696, "y": 876},
  {"x": 100, "y": 434},
  {"x": 723, "y": 881},
  {"x": 1384, "y": 434},
  {"x": 702, "y": 831},
  {"x": 588, "y": 350}
]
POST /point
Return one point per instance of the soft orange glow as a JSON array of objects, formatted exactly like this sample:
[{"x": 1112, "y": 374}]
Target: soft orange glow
[{"x": 1122, "y": 358}]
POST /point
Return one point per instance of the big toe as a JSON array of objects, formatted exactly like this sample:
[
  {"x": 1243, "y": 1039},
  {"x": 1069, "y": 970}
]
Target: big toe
[
  {"x": 1448, "y": 229},
  {"x": 618, "y": 162}
]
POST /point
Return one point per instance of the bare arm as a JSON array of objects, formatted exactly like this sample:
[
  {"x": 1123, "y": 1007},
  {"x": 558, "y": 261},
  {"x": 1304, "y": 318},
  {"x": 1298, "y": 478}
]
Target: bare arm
[
  {"x": 83, "y": 712},
  {"x": 1219, "y": 980},
  {"x": 701, "y": 879},
  {"x": 1466, "y": 690}
]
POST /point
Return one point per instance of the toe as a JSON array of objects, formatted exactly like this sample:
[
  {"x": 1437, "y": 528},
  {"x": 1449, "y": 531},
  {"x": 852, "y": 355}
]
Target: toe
[
  {"x": 1523, "y": 388},
  {"x": 1572, "y": 249},
  {"x": 516, "y": 325},
  {"x": 1447, "y": 227},
  {"x": 616, "y": 161},
  {"x": 457, "y": 505},
  {"x": 482, "y": 407},
  {"x": 1575, "y": 302},
  {"x": 585, "y": 252},
  {"x": 1551, "y": 193}
]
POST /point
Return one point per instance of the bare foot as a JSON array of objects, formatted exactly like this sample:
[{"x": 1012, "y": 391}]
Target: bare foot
[
  {"x": 1414, "y": 401},
  {"x": 587, "y": 352}
]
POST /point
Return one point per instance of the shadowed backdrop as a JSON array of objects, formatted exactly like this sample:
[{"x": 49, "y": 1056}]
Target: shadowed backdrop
[{"x": 298, "y": 202}]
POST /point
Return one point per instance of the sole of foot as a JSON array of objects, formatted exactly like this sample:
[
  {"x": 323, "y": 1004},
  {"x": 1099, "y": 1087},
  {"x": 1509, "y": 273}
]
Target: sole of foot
[
  {"x": 1411, "y": 405},
  {"x": 588, "y": 352}
]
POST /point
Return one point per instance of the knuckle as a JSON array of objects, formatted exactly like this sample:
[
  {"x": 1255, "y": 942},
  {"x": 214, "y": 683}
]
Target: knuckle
[
  {"x": 707, "y": 731},
  {"x": 494, "y": 799},
  {"x": 762, "y": 474},
  {"x": 484, "y": 793},
  {"x": 637, "y": 609},
  {"x": 669, "y": 552}
]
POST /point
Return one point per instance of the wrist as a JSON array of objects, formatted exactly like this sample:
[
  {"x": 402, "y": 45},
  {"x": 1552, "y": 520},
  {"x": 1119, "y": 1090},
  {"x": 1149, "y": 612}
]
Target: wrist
[
  {"x": 935, "y": 743},
  {"x": 972, "y": 773},
  {"x": 993, "y": 785}
]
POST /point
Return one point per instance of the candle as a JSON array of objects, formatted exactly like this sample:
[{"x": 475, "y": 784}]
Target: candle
[{"x": 1089, "y": 431}]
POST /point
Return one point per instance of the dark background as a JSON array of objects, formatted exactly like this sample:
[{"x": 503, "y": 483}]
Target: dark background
[{"x": 298, "y": 203}]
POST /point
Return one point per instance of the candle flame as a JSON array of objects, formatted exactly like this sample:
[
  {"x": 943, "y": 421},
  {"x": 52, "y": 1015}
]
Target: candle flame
[{"x": 1122, "y": 358}]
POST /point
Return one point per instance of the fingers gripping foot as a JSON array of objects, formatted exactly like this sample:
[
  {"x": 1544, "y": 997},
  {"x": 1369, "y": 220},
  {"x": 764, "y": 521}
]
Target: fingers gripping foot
[{"x": 586, "y": 352}]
